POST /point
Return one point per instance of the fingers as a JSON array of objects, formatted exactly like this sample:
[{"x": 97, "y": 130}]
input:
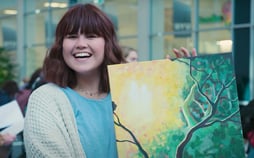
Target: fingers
[
  {"x": 194, "y": 52},
  {"x": 167, "y": 56},
  {"x": 183, "y": 52},
  {"x": 177, "y": 53}
]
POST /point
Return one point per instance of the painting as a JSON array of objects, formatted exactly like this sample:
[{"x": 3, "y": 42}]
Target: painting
[{"x": 183, "y": 108}]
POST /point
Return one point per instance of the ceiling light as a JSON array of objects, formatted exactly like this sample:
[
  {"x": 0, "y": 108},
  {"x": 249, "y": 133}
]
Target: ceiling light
[
  {"x": 37, "y": 11},
  {"x": 10, "y": 12},
  {"x": 55, "y": 5}
]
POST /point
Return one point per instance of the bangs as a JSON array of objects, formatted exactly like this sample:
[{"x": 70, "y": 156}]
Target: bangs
[{"x": 86, "y": 21}]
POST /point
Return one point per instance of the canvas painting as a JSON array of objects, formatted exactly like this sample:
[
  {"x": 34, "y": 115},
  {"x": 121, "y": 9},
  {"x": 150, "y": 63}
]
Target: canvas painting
[{"x": 184, "y": 108}]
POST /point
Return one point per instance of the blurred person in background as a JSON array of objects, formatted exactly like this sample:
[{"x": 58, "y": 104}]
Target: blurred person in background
[
  {"x": 129, "y": 54},
  {"x": 33, "y": 82},
  {"x": 247, "y": 120},
  {"x": 8, "y": 91}
]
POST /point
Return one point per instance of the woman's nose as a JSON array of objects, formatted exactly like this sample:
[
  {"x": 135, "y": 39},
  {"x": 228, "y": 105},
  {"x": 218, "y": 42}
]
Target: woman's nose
[{"x": 82, "y": 42}]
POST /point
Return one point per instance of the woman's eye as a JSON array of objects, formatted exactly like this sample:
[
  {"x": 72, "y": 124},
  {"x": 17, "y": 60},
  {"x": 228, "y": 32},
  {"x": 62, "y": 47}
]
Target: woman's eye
[
  {"x": 91, "y": 36},
  {"x": 72, "y": 36}
]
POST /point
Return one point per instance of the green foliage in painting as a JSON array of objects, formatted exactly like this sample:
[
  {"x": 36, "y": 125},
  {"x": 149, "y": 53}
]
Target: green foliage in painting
[{"x": 213, "y": 109}]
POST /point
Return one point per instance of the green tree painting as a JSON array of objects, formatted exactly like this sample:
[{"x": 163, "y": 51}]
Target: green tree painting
[{"x": 177, "y": 109}]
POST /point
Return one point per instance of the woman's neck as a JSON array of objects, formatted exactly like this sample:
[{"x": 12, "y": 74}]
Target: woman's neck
[{"x": 89, "y": 86}]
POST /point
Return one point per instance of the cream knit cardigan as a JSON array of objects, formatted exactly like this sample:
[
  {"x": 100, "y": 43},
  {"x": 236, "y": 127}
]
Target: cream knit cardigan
[{"x": 50, "y": 129}]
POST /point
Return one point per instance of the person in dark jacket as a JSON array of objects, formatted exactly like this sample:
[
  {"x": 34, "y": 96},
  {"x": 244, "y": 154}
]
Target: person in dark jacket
[{"x": 8, "y": 91}]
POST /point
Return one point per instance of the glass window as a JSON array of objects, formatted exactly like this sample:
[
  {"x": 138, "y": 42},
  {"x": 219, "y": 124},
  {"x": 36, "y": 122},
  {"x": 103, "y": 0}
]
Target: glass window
[
  {"x": 8, "y": 8},
  {"x": 123, "y": 14},
  {"x": 8, "y": 33},
  {"x": 42, "y": 5},
  {"x": 40, "y": 28},
  {"x": 214, "y": 13},
  {"x": 131, "y": 42},
  {"x": 39, "y": 32},
  {"x": 34, "y": 58},
  {"x": 174, "y": 30},
  {"x": 8, "y": 24},
  {"x": 174, "y": 41},
  {"x": 217, "y": 41},
  {"x": 178, "y": 16},
  {"x": 35, "y": 28}
]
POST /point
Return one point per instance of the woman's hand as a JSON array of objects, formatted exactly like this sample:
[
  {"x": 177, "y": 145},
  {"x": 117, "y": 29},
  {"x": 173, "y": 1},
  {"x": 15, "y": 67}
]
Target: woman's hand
[
  {"x": 6, "y": 139},
  {"x": 182, "y": 52}
]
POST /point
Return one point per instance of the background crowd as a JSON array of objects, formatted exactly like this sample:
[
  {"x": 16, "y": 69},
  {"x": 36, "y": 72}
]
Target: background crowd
[{"x": 12, "y": 145}]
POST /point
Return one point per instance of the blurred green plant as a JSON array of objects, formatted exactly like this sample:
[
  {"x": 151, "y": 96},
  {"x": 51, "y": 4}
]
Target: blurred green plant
[{"x": 8, "y": 65}]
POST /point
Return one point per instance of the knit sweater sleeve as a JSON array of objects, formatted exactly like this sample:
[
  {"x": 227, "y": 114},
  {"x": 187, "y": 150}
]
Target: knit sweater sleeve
[{"x": 50, "y": 130}]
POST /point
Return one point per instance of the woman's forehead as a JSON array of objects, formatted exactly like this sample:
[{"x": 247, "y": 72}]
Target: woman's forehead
[{"x": 82, "y": 30}]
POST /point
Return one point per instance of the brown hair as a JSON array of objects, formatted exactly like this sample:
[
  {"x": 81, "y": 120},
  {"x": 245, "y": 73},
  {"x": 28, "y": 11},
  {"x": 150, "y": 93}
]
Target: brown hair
[
  {"x": 10, "y": 87},
  {"x": 88, "y": 19}
]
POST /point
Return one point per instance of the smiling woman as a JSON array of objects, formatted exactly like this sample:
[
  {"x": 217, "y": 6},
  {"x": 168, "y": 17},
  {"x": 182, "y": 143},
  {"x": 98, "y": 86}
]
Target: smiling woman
[{"x": 71, "y": 116}]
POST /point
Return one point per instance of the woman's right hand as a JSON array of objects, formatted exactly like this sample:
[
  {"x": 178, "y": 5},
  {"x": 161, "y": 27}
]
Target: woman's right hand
[
  {"x": 183, "y": 52},
  {"x": 6, "y": 139}
]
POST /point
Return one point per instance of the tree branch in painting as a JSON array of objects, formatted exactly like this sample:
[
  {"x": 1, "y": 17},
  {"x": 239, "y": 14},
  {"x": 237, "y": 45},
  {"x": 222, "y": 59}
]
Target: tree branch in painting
[
  {"x": 207, "y": 99},
  {"x": 135, "y": 141}
]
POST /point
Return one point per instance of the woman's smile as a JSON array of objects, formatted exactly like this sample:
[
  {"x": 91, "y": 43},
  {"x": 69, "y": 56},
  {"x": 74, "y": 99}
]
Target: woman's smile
[{"x": 82, "y": 55}]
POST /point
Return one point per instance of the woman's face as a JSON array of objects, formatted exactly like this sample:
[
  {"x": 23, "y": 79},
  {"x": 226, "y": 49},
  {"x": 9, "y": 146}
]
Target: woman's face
[
  {"x": 83, "y": 53},
  {"x": 132, "y": 57}
]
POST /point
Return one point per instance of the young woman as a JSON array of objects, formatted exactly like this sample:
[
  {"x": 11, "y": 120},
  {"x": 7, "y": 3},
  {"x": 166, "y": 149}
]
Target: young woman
[{"x": 72, "y": 115}]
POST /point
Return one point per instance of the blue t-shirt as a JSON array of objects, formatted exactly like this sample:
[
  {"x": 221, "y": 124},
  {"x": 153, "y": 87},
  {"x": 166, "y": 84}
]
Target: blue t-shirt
[{"x": 94, "y": 118}]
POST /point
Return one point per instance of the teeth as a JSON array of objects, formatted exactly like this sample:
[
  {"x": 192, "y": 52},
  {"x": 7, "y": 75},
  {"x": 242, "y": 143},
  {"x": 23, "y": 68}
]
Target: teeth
[{"x": 82, "y": 55}]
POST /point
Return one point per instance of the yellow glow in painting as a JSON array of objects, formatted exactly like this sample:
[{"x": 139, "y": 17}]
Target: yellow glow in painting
[{"x": 158, "y": 104}]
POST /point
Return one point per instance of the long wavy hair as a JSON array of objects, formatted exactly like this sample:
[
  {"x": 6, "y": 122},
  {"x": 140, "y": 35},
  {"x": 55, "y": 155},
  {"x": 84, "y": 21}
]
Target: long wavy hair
[{"x": 88, "y": 19}]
